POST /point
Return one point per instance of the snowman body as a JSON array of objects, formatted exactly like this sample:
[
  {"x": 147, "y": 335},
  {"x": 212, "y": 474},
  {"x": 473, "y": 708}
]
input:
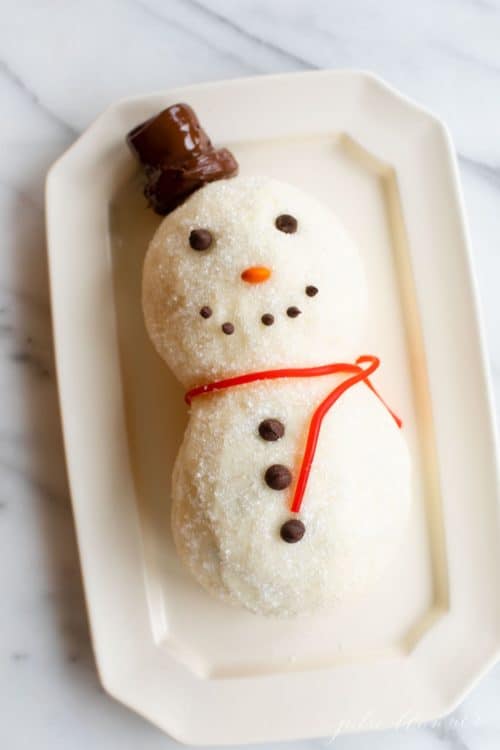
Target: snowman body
[{"x": 226, "y": 517}]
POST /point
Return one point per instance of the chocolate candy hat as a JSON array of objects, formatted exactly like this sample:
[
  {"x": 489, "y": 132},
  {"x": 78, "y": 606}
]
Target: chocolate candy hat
[{"x": 177, "y": 156}]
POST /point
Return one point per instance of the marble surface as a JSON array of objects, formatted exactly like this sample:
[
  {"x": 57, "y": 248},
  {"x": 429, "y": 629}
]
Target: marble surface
[{"x": 61, "y": 63}]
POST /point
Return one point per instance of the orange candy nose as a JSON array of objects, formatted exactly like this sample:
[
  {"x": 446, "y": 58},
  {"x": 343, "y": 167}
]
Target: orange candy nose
[{"x": 256, "y": 274}]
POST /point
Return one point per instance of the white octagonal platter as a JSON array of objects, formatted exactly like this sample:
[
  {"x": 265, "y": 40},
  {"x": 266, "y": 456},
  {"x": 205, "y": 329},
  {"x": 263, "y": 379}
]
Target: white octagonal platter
[{"x": 204, "y": 672}]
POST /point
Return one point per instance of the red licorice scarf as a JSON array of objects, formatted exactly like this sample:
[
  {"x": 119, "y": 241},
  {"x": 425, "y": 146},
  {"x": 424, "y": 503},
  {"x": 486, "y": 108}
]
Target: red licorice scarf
[{"x": 359, "y": 374}]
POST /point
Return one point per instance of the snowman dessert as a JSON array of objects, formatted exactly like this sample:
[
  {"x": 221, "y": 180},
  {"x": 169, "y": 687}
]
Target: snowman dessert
[{"x": 292, "y": 486}]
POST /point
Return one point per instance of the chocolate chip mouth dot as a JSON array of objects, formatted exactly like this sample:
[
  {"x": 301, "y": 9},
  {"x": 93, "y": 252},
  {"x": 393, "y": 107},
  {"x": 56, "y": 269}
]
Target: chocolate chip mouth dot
[
  {"x": 206, "y": 311},
  {"x": 200, "y": 239},
  {"x": 292, "y": 531},
  {"x": 293, "y": 312},
  {"x": 286, "y": 223},
  {"x": 267, "y": 319},
  {"x": 271, "y": 429},
  {"x": 311, "y": 291},
  {"x": 228, "y": 328},
  {"x": 278, "y": 477}
]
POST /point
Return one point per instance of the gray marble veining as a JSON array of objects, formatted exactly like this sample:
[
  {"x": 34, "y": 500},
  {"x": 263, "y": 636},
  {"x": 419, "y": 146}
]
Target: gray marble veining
[{"x": 60, "y": 65}]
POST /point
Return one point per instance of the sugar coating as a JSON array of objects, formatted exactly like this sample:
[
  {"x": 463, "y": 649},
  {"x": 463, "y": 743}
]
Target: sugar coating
[
  {"x": 240, "y": 213},
  {"x": 226, "y": 520}
]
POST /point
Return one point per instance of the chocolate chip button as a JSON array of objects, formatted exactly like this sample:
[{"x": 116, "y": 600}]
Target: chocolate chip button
[
  {"x": 228, "y": 328},
  {"x": 292, "y": 531},
  {"x": 200, "y": 239},
  {"x": 271, "y": 430},
  {"x": 286, "y": 223},
  {"x": 206, "y": 311},
  {"x": 293, "y": 312},
  {"x": 278, "y": 477},
  {"x": 267, "y": 319},
  {"x": 311, "y": 291}
]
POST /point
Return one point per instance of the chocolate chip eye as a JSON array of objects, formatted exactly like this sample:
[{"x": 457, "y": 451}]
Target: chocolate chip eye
[
  {"x": 206, "y": 311},
  {"x": 200, "y": 239},
  {"x": 311, "y": 290},
  {"x": 286, "y": 223}
]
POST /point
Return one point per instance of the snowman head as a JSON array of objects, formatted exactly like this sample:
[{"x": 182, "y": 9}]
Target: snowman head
[{"x": 251, "y": 274}]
